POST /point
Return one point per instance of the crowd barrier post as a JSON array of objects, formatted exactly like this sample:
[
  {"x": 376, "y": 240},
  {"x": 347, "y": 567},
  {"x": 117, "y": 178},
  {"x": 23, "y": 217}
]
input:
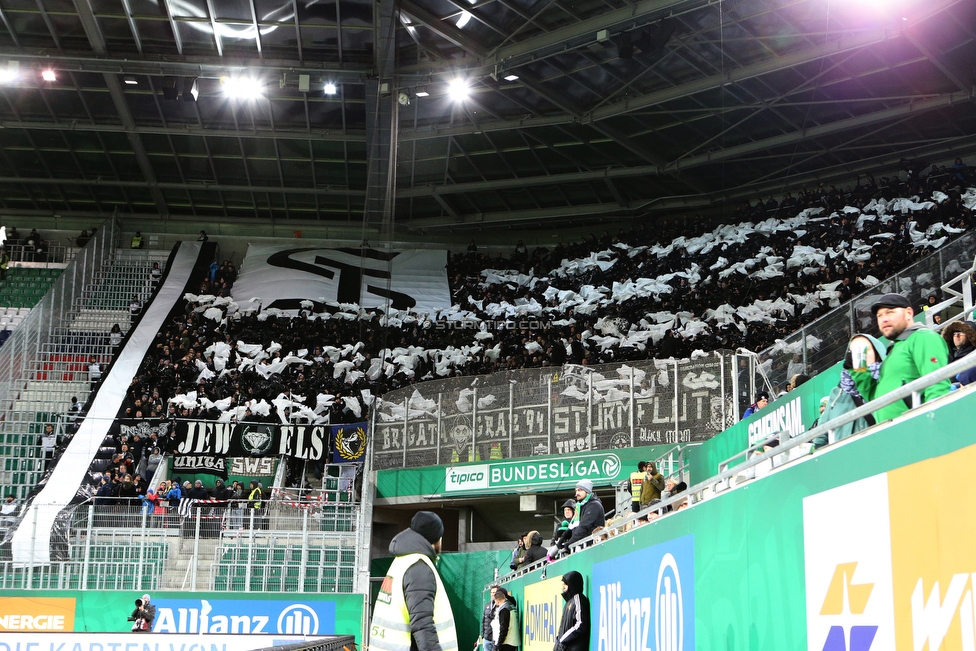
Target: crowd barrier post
[
  {"x": 674, "y": 386},
  {"x": 406, "y": 421},
  {"x": 196, "y": 547},
  {"x": 33, "y": 551},
  {"x": 474, "y": 424},
  {"x": 511, "y": 419},
  {"x": 250, "y": 552},
  {"x": 303, "y": 567},
  {"x": 440, "y": 427},
  {"x": 88, "y": 538},
  {"x": 589, "y": 410},
  {"x": 549, "y": 412},
  {"x": 631, "y": 407},
  {"x": 142, "y": 546}
]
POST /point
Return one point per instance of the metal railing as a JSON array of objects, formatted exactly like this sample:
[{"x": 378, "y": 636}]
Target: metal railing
[
  {"x": 115, "y": 543},
  {"x": 789, "y": 451},
  {"x": 332, "y": 643},
  {"x": 53, "y": 253},
  {"x": 819, "y": 344},
  {"x": 31, "y": 393}
]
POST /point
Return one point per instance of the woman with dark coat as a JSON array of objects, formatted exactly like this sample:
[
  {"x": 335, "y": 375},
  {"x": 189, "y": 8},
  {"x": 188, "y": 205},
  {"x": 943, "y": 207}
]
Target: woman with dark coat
[{"x": 961, "y": 339}]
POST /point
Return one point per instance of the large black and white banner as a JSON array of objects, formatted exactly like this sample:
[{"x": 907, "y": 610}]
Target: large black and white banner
[
  {"x": 329, "y": 443},
  {"x": 283, "y": 277}
]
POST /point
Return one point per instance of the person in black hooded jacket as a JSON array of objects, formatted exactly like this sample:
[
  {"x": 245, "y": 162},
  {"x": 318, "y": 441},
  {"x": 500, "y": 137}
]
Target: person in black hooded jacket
[
  {"x": 574, "y": 627},
  {"x": 534, "y": 552}
]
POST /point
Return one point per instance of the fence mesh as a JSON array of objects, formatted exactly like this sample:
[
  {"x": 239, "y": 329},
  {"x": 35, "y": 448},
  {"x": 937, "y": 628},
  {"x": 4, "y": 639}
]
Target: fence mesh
[
  {"x": 554, "y": 411},
  {"x": 823, "y": 342}
]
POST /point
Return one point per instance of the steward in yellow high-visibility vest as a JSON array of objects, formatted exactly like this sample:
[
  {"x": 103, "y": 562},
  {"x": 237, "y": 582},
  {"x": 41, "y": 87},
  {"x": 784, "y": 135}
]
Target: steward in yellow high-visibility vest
[
  {"x": 412, "y": 611},
  {"x": 636, "y": 479}
]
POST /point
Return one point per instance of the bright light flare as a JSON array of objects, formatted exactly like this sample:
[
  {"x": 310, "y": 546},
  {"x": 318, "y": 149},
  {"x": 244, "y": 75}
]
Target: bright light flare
[
  {"x": 458, "y": 89},
  {"x": 10, "y": 72},
  {"x": 464, "y": 19},
  {"x": 49, "y": 75},
  {"x": 330, "y": 89},
  {"x": 241, "y": 88},
  {"x": 511, "y": 77}
]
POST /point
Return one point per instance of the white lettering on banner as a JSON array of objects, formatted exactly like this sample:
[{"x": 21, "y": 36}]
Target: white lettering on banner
[
  {"x": 295, "y": 444},
  {"x": 493, "y": 475},
  {"x": 931, "y": 618},
  {"x": 199, "y": 463},
  {"x": 32, "y": 623},
  {"x": 544, "y": 472},
  {"x": 206, "y": 438},
  {"x": 199, "y": 620},
  {"x": 625, "y": 624},
  {"x": 252, "y": 467},
  {"x": 787, "y": 418}
]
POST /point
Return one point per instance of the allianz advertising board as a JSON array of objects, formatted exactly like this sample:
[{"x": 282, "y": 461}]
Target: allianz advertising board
[
  {"x": 649, "y": 609},
  {"x": 548, "y": 472},
  {"x": 281, "y": 617}
]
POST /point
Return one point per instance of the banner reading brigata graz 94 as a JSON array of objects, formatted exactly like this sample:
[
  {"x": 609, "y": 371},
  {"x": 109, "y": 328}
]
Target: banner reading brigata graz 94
[{"x": 340, "y": 443}]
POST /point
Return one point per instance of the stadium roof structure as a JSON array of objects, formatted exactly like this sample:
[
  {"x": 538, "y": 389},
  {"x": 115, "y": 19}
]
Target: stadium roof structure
[{"x": 340, "y": 112}]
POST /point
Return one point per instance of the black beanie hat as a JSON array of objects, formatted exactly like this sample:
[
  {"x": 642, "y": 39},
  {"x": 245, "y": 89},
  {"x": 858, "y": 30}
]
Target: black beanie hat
[{"x": 428, "y": 525}]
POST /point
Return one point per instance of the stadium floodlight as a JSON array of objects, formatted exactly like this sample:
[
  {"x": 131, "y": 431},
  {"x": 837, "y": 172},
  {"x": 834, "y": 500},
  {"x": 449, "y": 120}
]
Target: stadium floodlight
[
  {"x": 49, "y": 75},
  {"x": 457, "y": 89},
  {"x": 464, "y": 19},
  {"x": 10, "y": 72},
  {"x": 330, "y": 88},
  {"x": 241, "y": 88}
]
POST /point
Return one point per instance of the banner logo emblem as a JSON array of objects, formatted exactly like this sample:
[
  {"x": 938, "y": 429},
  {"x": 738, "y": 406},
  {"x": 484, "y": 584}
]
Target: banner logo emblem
[
  {"x": 257, "y": 439},
  {"x": 350, "y": 443},
  {"x": 298, "y": 619}
]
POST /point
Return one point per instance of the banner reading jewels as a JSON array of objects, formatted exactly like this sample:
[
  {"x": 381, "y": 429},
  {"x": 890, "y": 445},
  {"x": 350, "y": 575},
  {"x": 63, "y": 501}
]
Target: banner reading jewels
[{"x": 332, "y": 443}]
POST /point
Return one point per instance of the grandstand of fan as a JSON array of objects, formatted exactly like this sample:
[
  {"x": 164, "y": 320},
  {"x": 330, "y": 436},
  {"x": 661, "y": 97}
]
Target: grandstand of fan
[{"x": 631, "y": 296}]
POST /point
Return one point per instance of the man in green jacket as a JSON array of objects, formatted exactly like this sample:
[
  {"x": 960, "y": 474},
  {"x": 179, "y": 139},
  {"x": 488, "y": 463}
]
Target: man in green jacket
[{"x": 915, "y": 350}]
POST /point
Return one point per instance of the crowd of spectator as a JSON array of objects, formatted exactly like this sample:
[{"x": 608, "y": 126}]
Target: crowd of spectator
[{"x": 664, "y": 289}]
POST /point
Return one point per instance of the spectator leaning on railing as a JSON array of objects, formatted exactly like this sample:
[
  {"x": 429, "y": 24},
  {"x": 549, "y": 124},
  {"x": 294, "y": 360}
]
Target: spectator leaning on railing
[
  {"x": 915, "y": 350},
  {"x": 961, "y": 339}
]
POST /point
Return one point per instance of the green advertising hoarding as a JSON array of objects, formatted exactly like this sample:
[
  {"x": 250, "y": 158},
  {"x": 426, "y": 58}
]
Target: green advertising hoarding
[
  {"x": 544, "y": 473},
  {"x": 97, "y": 611},
  {"x": 843, "y": 550},
  {"x": 793, "y": 412}
]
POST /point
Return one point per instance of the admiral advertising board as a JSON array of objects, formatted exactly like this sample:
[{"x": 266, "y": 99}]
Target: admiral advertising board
[{"x": 542, "y": 607}]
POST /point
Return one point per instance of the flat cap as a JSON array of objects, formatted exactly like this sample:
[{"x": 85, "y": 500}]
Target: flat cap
[{"x": 889, "y": 300}]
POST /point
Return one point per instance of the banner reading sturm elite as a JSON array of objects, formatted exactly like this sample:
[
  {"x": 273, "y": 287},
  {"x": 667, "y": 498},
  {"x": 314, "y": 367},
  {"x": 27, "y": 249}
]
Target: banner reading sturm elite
[{"x": 311, "y": 442}]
